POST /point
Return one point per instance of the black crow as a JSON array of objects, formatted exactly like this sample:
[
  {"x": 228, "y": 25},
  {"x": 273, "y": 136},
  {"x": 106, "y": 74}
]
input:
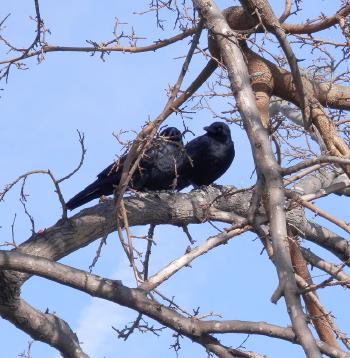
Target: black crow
[
  {"x": 209, "y": 156},
  {"x": 158, "y": 170}
]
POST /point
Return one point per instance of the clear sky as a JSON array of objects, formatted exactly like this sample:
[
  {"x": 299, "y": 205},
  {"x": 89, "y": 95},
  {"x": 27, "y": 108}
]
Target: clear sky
[{"x": 42, "y": 107}]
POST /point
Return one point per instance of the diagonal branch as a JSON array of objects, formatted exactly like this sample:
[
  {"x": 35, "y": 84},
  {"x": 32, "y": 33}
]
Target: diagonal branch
[
  {"x": 44, "y": 327},
  {"x": 186, "y": 259},
  {"x": 140, "y": 144},
  {"x": 114, "y": 291},
  {"x": 266, "y": 165}
]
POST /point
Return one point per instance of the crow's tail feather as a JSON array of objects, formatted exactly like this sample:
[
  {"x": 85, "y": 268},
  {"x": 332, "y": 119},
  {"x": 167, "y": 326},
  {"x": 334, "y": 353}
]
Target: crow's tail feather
[{"x": 91, "y": 192}]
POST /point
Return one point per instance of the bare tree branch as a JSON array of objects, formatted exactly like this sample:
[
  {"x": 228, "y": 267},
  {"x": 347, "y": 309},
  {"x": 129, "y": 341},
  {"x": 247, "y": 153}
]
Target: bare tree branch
[
  {"x": 43, "y": 327},
  {"x": 267, "y": 166},
  {"x": 114, "y": 291}
]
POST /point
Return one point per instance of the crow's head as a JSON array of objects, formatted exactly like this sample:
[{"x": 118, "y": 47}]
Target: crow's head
[
  {"x": 171, "y": 133},
  {"x": 219, "y": 131}
]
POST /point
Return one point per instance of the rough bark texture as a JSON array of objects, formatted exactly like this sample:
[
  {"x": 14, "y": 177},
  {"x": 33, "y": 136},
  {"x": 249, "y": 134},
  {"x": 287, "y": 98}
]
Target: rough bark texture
[{"x": 266, "y": 165}]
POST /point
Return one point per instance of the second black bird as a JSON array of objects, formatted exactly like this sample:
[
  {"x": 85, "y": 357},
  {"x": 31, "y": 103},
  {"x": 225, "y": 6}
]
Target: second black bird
[{"x": 209, "y": 156}]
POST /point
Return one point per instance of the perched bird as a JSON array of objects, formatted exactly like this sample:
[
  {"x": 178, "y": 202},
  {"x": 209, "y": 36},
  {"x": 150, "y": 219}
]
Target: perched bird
[
  {"x": 158, "y": 170},
  {"x": 209, "y": 156}
]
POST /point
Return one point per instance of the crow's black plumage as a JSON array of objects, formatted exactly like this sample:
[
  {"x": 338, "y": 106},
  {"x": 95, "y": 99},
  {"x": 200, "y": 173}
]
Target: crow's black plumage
[
  {"x": 210, "y": 155},
  {"x": 158, "y": 169}
]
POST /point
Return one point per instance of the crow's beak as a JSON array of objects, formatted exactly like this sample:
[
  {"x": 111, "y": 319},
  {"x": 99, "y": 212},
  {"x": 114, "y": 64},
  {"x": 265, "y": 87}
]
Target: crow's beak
[{"x": 206, "y": 129}]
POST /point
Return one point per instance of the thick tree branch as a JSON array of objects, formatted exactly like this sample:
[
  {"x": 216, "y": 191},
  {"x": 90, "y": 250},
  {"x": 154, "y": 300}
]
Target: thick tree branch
[
  {"x": 324, "y": 23},
  {"x": 115, "y": 291},
  {"x": 266, "y": 165},
  {"x": 96, "y": 286},
  {"x": 210, "y": 203},
  {"x": 241, "y": 20},
  {"x": 44, "y": 327}
]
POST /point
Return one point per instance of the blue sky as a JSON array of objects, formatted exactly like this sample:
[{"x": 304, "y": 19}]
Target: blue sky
[{"x": 42, "y": 107}]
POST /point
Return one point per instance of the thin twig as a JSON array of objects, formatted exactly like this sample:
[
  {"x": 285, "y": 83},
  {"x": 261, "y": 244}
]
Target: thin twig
[
  {"x": 312, "y": 162},
  {"x": 83, "y": 152},
  {"x": 103, "y": 49},
  {"x": 150, "y": 239},
  {"x": 98, "y": 252},
  {"x": 318, "y": 211}
]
